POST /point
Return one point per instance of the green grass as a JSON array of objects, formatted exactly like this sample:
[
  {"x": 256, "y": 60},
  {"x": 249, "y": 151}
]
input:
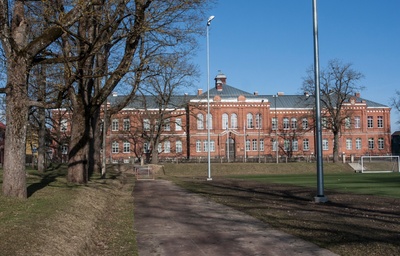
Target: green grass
[{"x": 385, "y": 184}]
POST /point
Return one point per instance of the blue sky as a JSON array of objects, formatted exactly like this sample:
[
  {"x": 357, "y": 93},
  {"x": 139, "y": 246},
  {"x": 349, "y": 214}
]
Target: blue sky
[{"x": 267, "y": 45}]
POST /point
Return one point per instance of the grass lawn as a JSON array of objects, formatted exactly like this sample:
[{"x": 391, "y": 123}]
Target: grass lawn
[
  {"x": 362, "y": 216},
  {"x": 383, "y": 184},
  {"x": 63, "y": 219}
]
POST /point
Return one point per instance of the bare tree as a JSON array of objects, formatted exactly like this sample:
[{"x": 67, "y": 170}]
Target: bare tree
[
  {"x": 395, "y": 102},
  {"x": 22, "y": 50},
  {"x": 339, "y": 82}
]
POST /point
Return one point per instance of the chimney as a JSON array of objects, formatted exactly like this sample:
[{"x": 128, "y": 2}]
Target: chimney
[
  {"x": 199, "y": 92},
  {"x": 281, "y": 93},
  {"x": 306, "y": 94},
  {"x": 256, "y": 93},
  {"x": 114, "y": 94},
  {"x": 357, "y": 94}
]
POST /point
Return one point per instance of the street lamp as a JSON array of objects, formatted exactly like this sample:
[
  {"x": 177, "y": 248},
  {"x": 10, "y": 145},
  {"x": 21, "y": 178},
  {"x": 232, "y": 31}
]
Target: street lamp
[
  {"x": 276, "y": 131},
  {"x": 259, "y": 129},
  {"x": 208, "y": 101},
  {"x": 320, "y": 198}
]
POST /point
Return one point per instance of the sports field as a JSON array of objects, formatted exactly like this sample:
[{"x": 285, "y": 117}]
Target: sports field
[{"x": 362, "y": 216}]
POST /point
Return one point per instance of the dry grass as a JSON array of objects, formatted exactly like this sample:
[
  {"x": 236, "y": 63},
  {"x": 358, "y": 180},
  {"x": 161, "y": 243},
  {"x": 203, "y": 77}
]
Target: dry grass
[{"x": 58, "y": 219}]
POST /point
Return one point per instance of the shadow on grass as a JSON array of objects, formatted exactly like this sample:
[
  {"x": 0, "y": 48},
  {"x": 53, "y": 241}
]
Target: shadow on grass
[{"x": 46, "y": 178}]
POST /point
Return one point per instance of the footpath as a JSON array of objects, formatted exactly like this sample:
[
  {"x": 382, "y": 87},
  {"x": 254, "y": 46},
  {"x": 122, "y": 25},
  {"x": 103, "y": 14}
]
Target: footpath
[{"x": 170, "y": 221}]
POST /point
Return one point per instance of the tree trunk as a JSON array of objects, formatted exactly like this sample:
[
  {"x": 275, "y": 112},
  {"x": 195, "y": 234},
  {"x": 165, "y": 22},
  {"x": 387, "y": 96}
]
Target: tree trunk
[
  {"x": 42, "y": 165},
  {"x": 95, "y": 163},
  {"x": 335, "y": 147},
  {"x": 14, "y": 177},
  {"x": 79, "y": 145}
]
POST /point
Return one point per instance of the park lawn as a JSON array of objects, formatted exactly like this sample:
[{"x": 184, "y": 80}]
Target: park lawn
[
  {"x": 63, "y": 219},
  {"x": 379, "y": 184}
]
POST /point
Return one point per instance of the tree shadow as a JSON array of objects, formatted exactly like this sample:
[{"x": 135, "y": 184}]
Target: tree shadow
[{"x": 46, "y": 178}]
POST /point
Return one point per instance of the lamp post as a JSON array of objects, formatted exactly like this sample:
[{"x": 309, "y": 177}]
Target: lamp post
[
  {"x": 276, "y": 131},
  {"x": 320, "y": 198},
  {"x": 259, "y": 129},
  {"x": 208, "y": 101}
]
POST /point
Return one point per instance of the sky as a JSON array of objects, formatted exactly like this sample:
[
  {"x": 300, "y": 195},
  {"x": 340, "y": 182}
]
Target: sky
[{"x": 267, "y": 45}]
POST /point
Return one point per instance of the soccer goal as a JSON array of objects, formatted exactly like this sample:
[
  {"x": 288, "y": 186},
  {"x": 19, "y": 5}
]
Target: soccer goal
[
  {"x": 144, "y": 172},
  {"x": 378, "y": 164}
]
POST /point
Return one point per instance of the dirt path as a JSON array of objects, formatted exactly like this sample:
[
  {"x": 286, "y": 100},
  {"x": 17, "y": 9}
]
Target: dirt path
[{"x": 171, "y": 222}]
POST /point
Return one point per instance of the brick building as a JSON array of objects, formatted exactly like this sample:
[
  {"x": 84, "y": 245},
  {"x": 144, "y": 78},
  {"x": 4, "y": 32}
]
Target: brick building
[{"x": 244, "y": 127}]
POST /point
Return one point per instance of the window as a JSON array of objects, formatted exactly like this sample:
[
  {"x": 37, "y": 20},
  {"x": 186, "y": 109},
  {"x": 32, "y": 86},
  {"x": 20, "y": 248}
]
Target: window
[
  {"x": 146, "y": 124},
  {"x": 370, "y": 121},
  {"x": 198, "y": 146},
  {"x": 347, "y": 123},
  {"x": 114, "y": 125},
  {"x": 258, "y": 121},
  {"x": 234, "y": 124},
  {"x": 349, "y": 144},
  {"x": 357, "y": 122},
  {"x": 178, "y": 124},
  {"x": 167, "y": 146},
  {"x": 274, "y": 123},
  {"x": 358, "y": 143},
  {"x": 127, "y": 147},
  {"x": 250, "y": 121},
  {"x": 159, "y": 148},
  {"x": 274, "y": 145},
  {"x": 381, "y": 143},
  {"x": 209, "y": 120},
  {"x": 167, "y": 124},
  {"x": 371, "y": 143},
  {"x": 178, "y": 146},
  {"x": 285, "y": 123},
  {"x": 305, "y": 123},
  {"x": 205, "y": 146},
  {"x": 247, "y": 145},
  {"x": 306, "y": 144},
  {"x": 294, "y": 123},
  {"x": 286, "y": 145},
  {"x": 261, "y": 145},
  {"x": 64, "y": 149},
  {"x": 127, "y": 124},
  {"x": 324, "y": 122},
  {"x": 380, "y": 122},
  {"x": 64, "y": 125},
  {"x": 200, "y": 122},
  {"x": 146, "y": 147},
  {"x": 254, "y": 143},
  {"x": 295, "y": 145},
  {"x": 225, "y": 124},
  {"x": 212, "y": 146},
  {"x": 325, "y": 145},
  {"x": 115, "y": 147}
]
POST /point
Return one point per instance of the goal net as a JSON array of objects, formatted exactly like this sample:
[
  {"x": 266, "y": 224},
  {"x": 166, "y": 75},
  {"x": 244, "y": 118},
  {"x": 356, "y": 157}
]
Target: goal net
[
  {"x": 143, "y": 172},
  {"x": 378, "y": 164}
]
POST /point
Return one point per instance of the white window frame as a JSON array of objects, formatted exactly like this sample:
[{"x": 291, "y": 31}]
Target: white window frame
[
  {"x": 325, "y": 144},
  {"x": 126, "y": 147},
  {"x": 349, "y": 144},
  {"x": 127, "y": 124},
  {"x": 381, "y": 143},
  {"x": 114, "y": 125},
  {"x": 306, "y": 144},
  {"x": 178, "y": 124},
  {"x": 225, "y": 123},
  {"x": 167, "y": 146},
  {"x": 200, "y": 121},
  {"x": 358, "y": 143},
  {"x": 178, "y": 146},
  {"x": 357, "y": 122},
  {"x": 115, "y": 147},
  {"x": 234, "y": 123}
]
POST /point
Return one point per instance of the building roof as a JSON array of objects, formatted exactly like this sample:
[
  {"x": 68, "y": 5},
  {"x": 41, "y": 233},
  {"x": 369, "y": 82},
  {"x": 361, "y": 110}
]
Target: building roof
[{"x": 229, "y": 93}]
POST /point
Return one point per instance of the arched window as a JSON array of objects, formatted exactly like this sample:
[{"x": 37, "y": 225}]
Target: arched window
[
  {"x": 234, "y": 123},
  {"x": 258, "y": 121},
  {"x": 250, "y": 121},
  {"x": 211, "y": 122},
  {"x": 178, "y": 146},
  {"x": 225, "y": 123},
  {"x": 200, "y": 121}
]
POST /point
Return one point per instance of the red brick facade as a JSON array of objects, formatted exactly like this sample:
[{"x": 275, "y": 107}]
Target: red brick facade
[{"x": 235, "y": 114}]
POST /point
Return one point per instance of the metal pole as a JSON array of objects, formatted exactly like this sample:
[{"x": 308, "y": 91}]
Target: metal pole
[
  {"x": 244, "y": 140},
  {"x": 208, "y": 102},
  {"x": 318, "y": 136},
  {"x": 276, "y": 133},
  {"x": 259, "y": 129},
  {"x": 227, "y": 143}
]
